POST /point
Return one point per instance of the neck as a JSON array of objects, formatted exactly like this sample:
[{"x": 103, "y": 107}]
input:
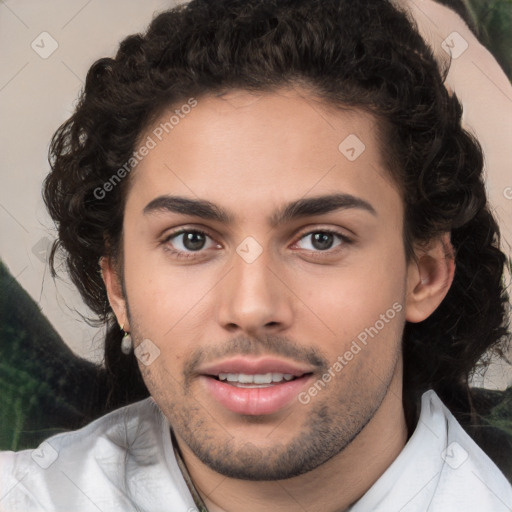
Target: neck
[{"x": 332, "y": 487}]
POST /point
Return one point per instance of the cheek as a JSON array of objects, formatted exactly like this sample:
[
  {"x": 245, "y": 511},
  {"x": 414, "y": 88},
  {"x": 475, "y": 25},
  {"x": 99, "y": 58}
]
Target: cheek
[
  {"x": 162, "y": 383},
  {"x": 362, "y": 302},
  {"x": 171, "y": 307},
  {"x": 162, "y": 296},
  {"x": 355, "y": 295}
]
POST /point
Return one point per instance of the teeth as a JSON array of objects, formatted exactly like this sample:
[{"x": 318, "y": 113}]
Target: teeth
[
  {"x": 265, "y": 378},
  {"x": 244, "y": 379}
]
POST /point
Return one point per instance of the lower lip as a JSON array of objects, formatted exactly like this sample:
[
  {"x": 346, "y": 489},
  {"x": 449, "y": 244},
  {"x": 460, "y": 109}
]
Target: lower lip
[{"x": 255, "y": 401}]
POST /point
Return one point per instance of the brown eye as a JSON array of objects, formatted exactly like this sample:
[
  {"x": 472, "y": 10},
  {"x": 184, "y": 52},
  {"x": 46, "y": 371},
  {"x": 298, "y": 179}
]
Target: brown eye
[
  {"x": 320, "y": 241},
  {"x": 189, "y": 241},
  {"x": 193, "y": 240}
]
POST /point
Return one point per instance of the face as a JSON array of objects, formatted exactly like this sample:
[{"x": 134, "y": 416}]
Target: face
[{"x": 264, "y": 266}]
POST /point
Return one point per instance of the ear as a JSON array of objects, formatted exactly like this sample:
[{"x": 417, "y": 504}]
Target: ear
[
  {"x": 115, "y": 292},
  {"x": 429, "y": 277}
]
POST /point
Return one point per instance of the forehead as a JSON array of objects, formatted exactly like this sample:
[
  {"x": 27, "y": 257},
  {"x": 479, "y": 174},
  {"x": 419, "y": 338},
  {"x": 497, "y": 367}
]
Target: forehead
[{"x": 250, "y": 152}]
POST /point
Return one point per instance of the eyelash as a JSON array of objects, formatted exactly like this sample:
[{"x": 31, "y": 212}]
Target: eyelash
[
  {"x": 181, "y": 254},
  {"x": 345, "y": 240}
]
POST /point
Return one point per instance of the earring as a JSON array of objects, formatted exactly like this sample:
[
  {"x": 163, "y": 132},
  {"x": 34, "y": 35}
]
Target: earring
[{"x": 126, "y": 343}]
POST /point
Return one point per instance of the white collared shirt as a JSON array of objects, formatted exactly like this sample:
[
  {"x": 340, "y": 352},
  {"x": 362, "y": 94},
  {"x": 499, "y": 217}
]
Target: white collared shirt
[{"x": 124, "y": 461}]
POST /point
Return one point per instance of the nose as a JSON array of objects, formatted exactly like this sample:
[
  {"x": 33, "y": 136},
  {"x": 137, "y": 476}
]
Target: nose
[{"x": 254, "y": 300}]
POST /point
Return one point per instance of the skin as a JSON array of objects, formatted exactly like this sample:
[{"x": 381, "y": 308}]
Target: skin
[{"x": 251, "y": 156}]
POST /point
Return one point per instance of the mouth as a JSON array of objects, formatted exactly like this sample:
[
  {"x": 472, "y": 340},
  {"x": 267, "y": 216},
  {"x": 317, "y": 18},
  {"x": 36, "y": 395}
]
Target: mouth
[{"x": 254, "y": 387}]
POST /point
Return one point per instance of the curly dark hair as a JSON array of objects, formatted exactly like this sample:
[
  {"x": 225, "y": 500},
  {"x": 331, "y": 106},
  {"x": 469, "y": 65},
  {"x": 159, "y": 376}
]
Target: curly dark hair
[{"x": 366, "y": 55}]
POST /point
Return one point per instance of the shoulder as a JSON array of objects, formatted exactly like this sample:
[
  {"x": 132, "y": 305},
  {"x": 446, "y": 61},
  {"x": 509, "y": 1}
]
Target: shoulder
[
  {"x": 440, "y": 469},
  {"x": 99, "y": 459},
  {"x": 117, "y": 429},
  {"x": 468, "y": 478}
]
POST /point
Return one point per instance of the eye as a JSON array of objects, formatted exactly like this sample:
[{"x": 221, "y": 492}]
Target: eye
[
  {"x": 189, "y": 241},
  {"x": 321, "y": 240}
]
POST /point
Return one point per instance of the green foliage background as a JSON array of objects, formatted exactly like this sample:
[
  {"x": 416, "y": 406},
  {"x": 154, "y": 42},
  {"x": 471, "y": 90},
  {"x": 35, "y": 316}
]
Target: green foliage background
[
  {"x": 44, "y": 387},
  {"x": 493, "y": 20}
]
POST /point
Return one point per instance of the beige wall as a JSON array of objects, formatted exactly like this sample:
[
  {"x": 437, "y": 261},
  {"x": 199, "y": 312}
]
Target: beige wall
[
  {"x": 36, "y": 96},
  {"x": 37, "y": 91}
]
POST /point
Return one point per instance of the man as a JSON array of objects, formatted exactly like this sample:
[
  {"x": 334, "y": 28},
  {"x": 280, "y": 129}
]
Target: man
[{"x": 277, "y": 204}]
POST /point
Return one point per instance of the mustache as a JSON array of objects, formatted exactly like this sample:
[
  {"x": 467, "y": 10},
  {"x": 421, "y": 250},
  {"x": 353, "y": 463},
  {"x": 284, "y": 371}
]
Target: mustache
[{"x": 268, "y": 345}]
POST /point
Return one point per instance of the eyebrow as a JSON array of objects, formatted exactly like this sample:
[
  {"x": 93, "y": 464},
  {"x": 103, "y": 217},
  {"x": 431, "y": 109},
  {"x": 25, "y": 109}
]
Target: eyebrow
[
  {"x": 305, "y": 207},
  {"x": 320, "y": 205},
  {"x": 185, "y": 206}
]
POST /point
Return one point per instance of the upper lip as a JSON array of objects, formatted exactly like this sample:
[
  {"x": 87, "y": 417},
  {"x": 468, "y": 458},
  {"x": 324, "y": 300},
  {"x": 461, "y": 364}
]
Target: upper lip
[{"x": 251, "y": 366}]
